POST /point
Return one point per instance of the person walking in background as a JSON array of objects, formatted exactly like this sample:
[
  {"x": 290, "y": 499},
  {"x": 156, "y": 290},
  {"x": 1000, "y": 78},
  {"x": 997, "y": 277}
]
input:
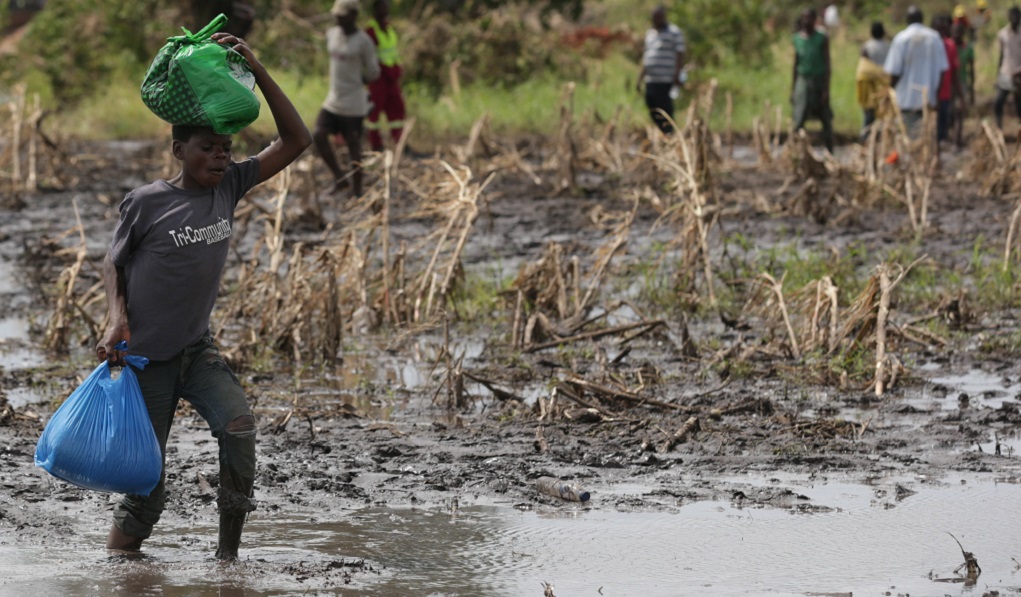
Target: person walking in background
[
  {"x": 950, "y": 96},
  {"x": 980, "y": 19},
  {"x": 966, "y": 55},
  {"x": 385, "y": 92},
  {"x": 810, "y": 84},
  {"x": 915, "y": 63},
  {"x": 662, "y": 62},
  {"x": 352, "y": 64},
  {"x": 871, "y": 82},
  {"x": 966, "y": 76},
  {"x": 1009, "y": 72}
]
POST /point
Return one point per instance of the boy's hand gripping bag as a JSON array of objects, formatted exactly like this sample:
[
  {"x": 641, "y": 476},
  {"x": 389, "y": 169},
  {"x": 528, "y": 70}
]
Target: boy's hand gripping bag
[
  {"x": 195, "y": 81},
  {"x": 101, "y": 438}
]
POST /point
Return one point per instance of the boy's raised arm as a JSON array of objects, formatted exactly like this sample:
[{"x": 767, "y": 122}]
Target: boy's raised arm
[{"x": 294, "y": 135}]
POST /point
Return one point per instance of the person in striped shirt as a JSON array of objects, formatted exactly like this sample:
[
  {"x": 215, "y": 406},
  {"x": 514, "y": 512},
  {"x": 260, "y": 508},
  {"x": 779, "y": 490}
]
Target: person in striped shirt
[{"x": 662, "y": 62}]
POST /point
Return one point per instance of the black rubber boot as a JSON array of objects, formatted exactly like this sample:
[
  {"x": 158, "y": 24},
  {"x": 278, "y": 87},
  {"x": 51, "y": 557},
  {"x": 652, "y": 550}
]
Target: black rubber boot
[{"x": 230, "y": 536}]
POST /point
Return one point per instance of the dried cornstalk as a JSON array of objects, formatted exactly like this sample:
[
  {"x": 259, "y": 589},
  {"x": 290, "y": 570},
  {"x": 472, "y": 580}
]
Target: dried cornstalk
[
  {"x": 690, "y": 426},
  {"x": 777, "y": 288},
  {"x": 17, "y": 108},
  {"x": 605, "y": 253},
  {"x": 566, "y": 156},
  {"x": 58, "y": 329},
  {"x": 918, "y": 216},
  {"x": 1012, "y": 230},
  {"x": 31, "y": 182},
  {"x": 886, "y": 286},
  {"x": 462, "y": 210}
]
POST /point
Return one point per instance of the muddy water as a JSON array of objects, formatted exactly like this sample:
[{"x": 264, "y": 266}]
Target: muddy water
[{"x": 858, "y": 538}]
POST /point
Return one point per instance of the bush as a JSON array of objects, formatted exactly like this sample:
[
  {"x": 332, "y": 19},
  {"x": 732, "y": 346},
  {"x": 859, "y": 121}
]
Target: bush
[
  {"x": 498, "y": 49},
  {"x": 745, "y": 28}
]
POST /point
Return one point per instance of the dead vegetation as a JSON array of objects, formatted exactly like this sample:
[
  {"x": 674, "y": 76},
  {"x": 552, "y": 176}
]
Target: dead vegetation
[{"x": 309, "y": 272}]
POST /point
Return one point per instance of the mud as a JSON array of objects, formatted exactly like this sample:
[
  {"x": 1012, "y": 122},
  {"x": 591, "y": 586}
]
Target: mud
[{"x": 368, "y": 435}]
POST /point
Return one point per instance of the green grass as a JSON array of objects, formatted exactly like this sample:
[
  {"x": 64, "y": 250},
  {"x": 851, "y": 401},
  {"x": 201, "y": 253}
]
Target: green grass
[
  {"x": 534, "y": 106},
  {"x": 530, "y": 108}
]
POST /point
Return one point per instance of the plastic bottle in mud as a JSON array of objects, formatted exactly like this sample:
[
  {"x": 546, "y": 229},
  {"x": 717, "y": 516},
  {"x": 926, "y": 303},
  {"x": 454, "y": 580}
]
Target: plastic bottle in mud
[{"x": 561, "y": 489}]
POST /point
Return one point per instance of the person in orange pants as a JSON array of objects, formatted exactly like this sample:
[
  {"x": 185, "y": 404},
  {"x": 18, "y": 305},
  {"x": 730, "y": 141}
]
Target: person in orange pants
[{"x": 385, "y": 92}]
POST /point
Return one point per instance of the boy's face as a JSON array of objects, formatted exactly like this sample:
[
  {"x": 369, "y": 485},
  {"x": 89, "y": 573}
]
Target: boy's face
[{"x": 204, "y": 159}]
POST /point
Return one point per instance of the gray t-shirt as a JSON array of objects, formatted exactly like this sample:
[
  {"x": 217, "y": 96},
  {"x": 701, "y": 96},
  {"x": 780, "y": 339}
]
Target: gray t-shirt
[{"x": 172, "y": 244}]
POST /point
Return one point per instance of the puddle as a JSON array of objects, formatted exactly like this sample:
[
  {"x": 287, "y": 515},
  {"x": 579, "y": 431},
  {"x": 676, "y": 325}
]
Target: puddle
[
  {"x": 22, "y": 396},
  {"x": 16, "y": 345},
  {"x": 8, "y": 284},
  {"x": 13, "y": 328},
  {"x": 984, "y": 390},
  {"x": 858, "y": 544}
]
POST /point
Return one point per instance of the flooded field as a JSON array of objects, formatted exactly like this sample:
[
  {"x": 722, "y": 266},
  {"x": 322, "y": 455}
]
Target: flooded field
[
  {"x": 690, "y": 371},
  {"x": 850, "y": 539}
]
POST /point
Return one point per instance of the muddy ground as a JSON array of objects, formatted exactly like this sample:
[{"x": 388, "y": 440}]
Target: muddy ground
[{"x": 366, "y": 432}]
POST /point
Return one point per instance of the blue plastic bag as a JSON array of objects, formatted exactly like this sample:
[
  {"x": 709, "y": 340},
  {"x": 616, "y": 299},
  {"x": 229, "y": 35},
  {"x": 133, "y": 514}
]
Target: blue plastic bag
[{"x": 101, "y": 438}]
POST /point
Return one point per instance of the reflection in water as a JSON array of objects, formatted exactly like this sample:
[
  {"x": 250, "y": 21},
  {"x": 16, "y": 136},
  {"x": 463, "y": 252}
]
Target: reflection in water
[
  {"x": 983, "y": 390},
  {"x": 862, "y": 541}
]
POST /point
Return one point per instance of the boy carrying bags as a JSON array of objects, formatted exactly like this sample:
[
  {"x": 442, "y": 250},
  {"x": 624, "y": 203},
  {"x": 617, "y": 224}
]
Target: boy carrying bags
[{"x": 162, "y": 276}]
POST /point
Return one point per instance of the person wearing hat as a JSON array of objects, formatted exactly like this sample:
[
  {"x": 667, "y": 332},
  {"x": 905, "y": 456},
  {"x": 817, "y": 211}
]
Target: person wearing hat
[
  {"x": 981, "y": 16},
  {"x": 353, "y": 64}
]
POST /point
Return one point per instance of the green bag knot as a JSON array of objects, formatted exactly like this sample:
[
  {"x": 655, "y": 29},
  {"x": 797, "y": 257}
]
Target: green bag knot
[{"x": 203, "y": 34}]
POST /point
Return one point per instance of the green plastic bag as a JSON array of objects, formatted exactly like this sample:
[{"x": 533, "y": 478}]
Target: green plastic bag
[{"x": 196, "y": 81}]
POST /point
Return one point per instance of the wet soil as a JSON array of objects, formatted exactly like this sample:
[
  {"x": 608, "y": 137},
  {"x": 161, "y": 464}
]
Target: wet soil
[{"x": 375, "y": 429}]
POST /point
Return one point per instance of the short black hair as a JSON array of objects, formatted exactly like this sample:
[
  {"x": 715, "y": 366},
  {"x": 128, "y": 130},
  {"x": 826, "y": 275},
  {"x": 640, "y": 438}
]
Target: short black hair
[
  {"x": 184, "y": 132},
  {"x": 878, "y": 30},
  {"x": 915, "y": 15}
]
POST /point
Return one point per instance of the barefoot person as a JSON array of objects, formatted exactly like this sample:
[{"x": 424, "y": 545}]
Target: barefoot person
[
  {"x": 352, "y": 65},
  {"x": 162, "y": 275}
]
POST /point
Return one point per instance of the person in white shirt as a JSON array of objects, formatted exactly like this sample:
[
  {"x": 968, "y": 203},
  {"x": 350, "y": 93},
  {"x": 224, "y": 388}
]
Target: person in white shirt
[
  {"x": 915, "y": 63},
  {"x": 353, "y": 64},
  {"x": 1009, "y": 72}
]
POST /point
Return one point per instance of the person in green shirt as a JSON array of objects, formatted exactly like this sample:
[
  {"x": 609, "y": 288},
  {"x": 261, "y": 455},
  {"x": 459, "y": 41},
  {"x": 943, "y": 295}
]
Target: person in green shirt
[{"x": 810, "y": 85}]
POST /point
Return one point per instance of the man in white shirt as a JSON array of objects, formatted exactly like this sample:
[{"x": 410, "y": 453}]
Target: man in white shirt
[
  {"x": 1007, "y": 78},
  {"x": 353, "y": 64},
  {"x": 915, "y": 63}
]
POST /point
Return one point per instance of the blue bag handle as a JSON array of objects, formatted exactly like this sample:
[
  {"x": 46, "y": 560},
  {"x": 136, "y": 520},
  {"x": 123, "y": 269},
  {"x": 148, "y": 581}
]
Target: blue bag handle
[{"x": 135, "y": 361}]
